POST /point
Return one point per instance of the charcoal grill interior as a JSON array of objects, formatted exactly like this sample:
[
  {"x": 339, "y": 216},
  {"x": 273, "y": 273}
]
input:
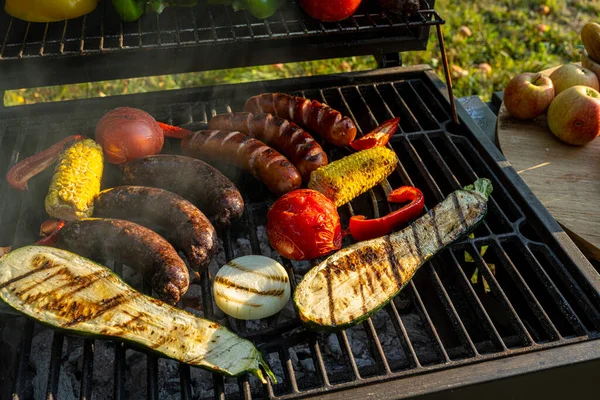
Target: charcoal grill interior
[
  {"x": 192, "y": 39},
  {"x": 538, "y": 296}
]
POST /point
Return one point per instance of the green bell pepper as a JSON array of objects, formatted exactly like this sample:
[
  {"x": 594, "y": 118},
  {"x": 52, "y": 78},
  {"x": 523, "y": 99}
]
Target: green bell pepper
[
  {"x": 130, "y": 10},
  {"x": 260, "y": 9}
]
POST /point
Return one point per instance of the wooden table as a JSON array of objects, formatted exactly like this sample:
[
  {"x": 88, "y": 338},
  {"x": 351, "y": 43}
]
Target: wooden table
[{"x": 565, "y": 178}]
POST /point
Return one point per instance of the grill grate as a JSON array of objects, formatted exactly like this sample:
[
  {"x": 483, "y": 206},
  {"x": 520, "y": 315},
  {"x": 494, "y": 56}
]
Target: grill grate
[
  {"x": 200, "y": 38},
  {"x": 538, "y": 297}
]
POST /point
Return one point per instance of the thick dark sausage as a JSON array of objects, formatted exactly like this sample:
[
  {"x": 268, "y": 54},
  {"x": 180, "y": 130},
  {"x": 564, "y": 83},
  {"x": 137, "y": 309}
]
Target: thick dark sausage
[
  {"x": 132, "y": 244},
  {"x": 194, "y": 180},
  {"x": 266, "y": 164},
  {"x": 310, "y": 114},
  {"x": 188, "y": 228},
  {"x": 284, "y": 136}
]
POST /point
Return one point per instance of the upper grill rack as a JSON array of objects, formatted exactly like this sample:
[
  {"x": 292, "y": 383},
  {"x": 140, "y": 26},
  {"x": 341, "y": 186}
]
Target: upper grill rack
[
  {"x": 192, "y": 39},
  {"x": 538, "y": 296}
]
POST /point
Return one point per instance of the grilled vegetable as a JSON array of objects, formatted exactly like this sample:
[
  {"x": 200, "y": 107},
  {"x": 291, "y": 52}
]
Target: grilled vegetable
[
  {"x": 251, "y": 287},
  {"x": 129, "y": 10},
  {"x": 260, "y": 9},
  {"x": 303, "y": 225},
  {"x": 24, "y": 170},
  {"x": 379, "y": 136},
  {"x": 72, "y": 293},
  {"x": 127, "y": 133},
  {"x": 345, "y": 179},
  {"x": 49, "y": 10},
  {"x": 364, "y": 229},
  {"x": 76, "y": 181},
  {"x": 357, "y": 281}
]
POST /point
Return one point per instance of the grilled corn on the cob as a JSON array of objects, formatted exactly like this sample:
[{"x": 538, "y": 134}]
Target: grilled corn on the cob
[
  {"x": 76, "y": 181},
  {"x": 345, "y": 179}
]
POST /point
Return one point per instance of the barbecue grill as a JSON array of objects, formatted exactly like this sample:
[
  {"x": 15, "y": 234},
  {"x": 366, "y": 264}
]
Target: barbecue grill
[{"x": 534, "y": 308}]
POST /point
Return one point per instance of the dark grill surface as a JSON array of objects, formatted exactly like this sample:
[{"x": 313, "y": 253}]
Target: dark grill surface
[
  {"x": 199, "y": 38},
  {"x": 538, "y": 297}
]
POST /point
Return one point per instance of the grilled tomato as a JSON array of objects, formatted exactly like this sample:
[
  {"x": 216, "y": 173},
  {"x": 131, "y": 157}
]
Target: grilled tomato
[
  {"x": 303, "y": 225},
  {"x": 330, "y": 11}
]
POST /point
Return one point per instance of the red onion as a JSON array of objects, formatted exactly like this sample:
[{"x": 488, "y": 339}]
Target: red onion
[{"x": 128, "y": 133}]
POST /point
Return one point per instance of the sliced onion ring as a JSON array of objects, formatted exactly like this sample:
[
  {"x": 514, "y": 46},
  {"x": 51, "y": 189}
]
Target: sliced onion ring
[{"x": 251, "y": 287}]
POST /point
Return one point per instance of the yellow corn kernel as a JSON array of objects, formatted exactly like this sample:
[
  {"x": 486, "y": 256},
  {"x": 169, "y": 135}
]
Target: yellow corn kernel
[
  {"x": 346, "y": 179},
  {"x": 76, "y": 181}
]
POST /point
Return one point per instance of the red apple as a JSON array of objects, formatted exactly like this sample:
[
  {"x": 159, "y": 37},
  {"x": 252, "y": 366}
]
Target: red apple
[
  {"x": 574, "y": 115},
  {"x": 528, "y": 95},
  {"x": 330, "y": 10},
  {"x": 570, "y": 75}
]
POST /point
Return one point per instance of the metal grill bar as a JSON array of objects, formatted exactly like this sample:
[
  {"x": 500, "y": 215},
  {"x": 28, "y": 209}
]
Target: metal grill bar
[
  {"x": 407, "y": 346},
  {"x": 527, "y": 293},
  {"x": 54, "y": 368},
  {"x": 459, "y": 327},
  {"x": 589, "y": 311},
  {"x": 119, "y": 368},
  {"x": 185, "y": 381},
  {"x": 551, "y": 288},
  {"x": 237, "y": 37},
  {"x": 23, "y": 360},
  {"x": 431, "y": 329},
  {"x": 480, "y": 310},
  {"x": 88, "y": 369}
]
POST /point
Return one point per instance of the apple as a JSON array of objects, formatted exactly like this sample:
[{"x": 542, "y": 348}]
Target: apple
[
  {"x": 574, "y": 115},
  {"x": 528, "y": 95},
  {"x": 330, "y": 10},
  {"x": 570, "y": 75}
]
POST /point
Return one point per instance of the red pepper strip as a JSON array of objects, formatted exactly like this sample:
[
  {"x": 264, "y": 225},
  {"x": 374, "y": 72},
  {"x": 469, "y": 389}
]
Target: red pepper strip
[
  {"x": 175, "y": 132},
  {"x": 5, "y": 250},
  {"x": 51, "y": 239},
  {"x": 379, "y": 136},
  {"x": 363, "y": 229},
  {"x": 26, "y": 169},
  {"x": 50, "y": 226}
]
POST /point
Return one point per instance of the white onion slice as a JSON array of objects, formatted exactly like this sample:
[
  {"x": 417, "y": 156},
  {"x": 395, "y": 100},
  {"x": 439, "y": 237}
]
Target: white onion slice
[{"x": 251, "y": 287}]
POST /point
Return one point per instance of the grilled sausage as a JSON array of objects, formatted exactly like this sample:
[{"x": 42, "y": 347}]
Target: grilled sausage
[
  {"x": 266, "y": 164},
  {"x": 194, "y": 180},
  {"x": 132, "y": 244},
  {"x": 314, "y": 116},
  {"x": 188, "y": 228},
  {"x": 284, "y": 136}
]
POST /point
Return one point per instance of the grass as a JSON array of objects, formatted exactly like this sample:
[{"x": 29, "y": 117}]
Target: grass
[{"x": 506, "y": 37}]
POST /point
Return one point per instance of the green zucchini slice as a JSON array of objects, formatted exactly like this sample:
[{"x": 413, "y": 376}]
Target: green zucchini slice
[
  {"x": 355, "y": 282},
  {"x": 72, "y": 293}
]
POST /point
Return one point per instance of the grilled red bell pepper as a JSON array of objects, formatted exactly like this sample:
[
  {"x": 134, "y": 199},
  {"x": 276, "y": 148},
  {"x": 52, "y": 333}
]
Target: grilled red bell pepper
[
  {"x": 379, "y": 136},
  {"x": 365, "y": 229},
  {"x": 174, "y": 131},
  {"x": 50, "y": 229},
  {"x": 23, "y": 171}
]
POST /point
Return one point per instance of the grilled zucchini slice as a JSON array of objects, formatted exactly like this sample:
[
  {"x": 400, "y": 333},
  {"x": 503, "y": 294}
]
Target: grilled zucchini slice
[
  {"x": 355, "y": 282},
  {"x": 72, "y": 293}
]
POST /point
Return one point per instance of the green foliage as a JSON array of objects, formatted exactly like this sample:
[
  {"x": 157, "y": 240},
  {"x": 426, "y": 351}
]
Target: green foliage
[{"x": 511, "y": 36}]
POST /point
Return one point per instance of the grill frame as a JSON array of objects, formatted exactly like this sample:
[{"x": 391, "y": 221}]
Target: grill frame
[
  {"x": 572, "y": 350},
  {"x": 216, "y": 38}
]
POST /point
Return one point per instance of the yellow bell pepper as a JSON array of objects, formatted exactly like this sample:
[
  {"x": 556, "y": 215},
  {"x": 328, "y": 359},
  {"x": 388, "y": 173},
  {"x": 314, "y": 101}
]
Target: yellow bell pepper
[{"x": 49, "y": 10}]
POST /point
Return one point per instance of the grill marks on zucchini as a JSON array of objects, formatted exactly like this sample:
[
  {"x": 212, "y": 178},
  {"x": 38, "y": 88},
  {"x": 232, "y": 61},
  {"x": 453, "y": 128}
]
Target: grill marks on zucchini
[
  {"x": 357, "y": 281},
  {"x": 69, "y": 292}
]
